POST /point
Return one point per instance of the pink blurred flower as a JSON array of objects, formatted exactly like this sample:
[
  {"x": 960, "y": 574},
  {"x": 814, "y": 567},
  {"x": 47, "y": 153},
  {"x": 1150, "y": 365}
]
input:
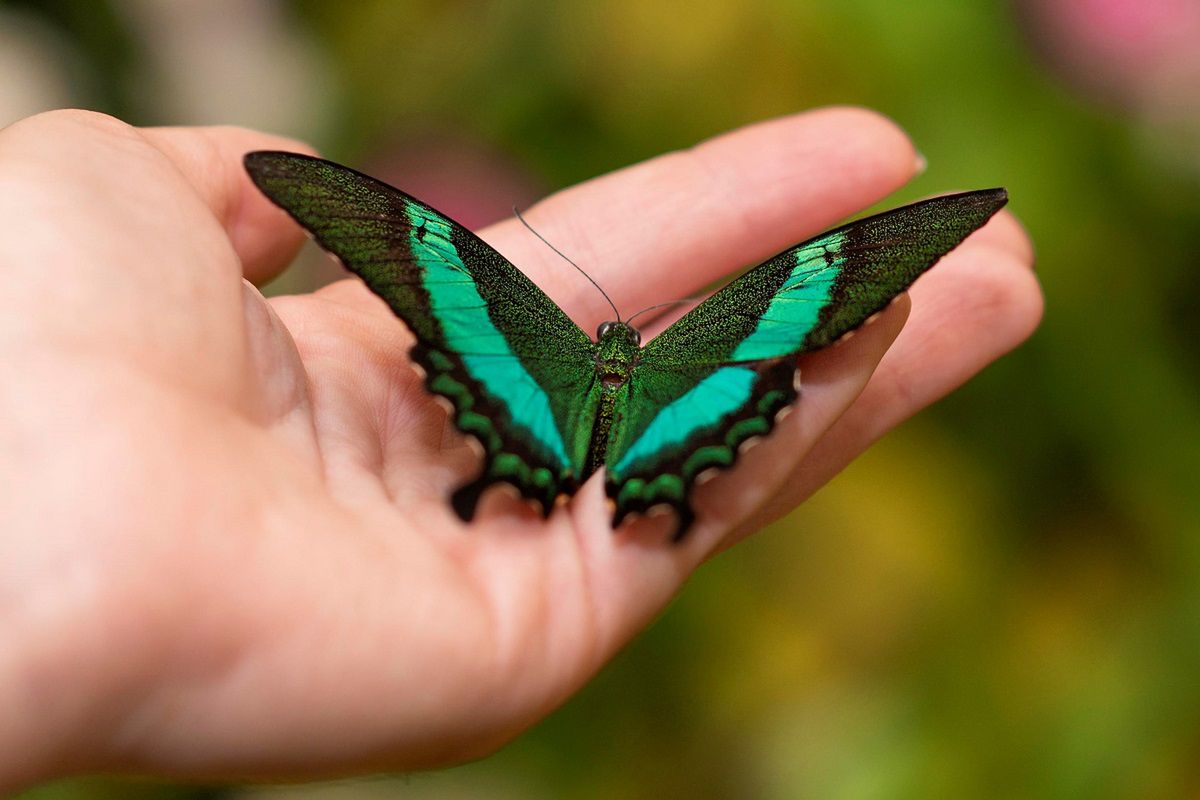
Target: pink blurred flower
[{"x": 1142, "y": 54}]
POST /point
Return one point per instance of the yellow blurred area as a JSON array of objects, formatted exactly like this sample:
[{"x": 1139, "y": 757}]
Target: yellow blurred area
[{"x": 1001, "y": 599}]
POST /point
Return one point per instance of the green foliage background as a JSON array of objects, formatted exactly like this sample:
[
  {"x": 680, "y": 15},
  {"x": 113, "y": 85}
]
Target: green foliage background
[{"x": 1002, "y": 599}]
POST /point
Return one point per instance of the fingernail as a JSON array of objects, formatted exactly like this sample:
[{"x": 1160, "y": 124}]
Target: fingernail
[{"x": 920, "y": 165}]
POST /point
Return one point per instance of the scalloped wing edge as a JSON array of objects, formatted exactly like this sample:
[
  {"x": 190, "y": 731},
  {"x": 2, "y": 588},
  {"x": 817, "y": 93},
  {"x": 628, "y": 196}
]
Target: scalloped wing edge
[
  {"x": 718, "y": 447},
  {"x": 472, "y": 415}
]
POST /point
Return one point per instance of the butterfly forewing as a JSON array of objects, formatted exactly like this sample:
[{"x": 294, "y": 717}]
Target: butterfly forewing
[{"x": 518, "y": 371}]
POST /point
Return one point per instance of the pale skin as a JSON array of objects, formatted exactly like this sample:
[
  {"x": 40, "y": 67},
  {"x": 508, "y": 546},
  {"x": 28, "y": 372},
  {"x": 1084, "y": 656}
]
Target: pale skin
[{"x": 225, "y": 546}]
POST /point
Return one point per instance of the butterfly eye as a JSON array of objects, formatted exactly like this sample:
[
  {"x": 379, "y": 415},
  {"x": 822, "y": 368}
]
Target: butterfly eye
[
  {"x": 636, "y": 336},
  {"x": 604, "y": 328}
]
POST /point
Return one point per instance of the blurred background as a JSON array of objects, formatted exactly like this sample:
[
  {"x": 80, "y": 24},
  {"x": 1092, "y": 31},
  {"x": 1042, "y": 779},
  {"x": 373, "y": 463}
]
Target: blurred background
[{"x": 1000, "y": 600}]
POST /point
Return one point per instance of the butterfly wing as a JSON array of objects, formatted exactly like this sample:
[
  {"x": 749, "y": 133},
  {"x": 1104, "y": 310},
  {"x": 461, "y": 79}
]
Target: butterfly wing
[
  {"x": 518, "y": 372},
  {"x": 721, "y": 373}
]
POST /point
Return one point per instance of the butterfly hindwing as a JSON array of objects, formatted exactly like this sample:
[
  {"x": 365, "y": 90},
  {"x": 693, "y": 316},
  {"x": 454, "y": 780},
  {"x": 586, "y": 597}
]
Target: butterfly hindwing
[
  {"x": 517, "y": 370},
  {"x": 721, "y": 373},
  {"x": 681, "y": 420}
]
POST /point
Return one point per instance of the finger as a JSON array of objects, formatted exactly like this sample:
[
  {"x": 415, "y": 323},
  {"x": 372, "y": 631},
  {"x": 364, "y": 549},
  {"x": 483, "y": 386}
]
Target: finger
[
  {"x": 211, "y": 160},
  {"x": 662, "y": 229},
  {"x": 978, "y": 303}
]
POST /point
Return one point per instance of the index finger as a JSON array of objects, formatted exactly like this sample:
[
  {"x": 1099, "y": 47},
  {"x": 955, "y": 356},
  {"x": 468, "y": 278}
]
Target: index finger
[{"x": 663, "y": 229}]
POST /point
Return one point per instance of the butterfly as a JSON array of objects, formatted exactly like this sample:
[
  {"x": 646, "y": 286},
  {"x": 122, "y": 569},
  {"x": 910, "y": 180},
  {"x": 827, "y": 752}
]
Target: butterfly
[{"x": 549, "y": 404}]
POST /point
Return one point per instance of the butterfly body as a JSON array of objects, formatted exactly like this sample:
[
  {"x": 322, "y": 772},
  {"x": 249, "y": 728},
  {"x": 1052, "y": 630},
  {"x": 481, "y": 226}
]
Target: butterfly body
[
  {"x": 551, "y": 405},
  {"x": 617, "y": 350}
]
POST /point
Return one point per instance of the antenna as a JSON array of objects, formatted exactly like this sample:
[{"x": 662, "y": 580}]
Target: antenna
[
  {"x": 569, "y": 261},
  {"x": 662, "y": 305}
]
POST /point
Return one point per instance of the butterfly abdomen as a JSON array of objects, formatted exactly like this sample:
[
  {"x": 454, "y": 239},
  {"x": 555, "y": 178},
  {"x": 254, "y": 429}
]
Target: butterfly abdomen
[{"x": 605, "y": 415}]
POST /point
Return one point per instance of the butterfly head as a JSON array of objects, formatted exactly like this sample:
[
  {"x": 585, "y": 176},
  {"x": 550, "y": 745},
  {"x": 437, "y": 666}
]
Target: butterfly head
[
  {"x": 617, "y": 348},
  {"x": 613, "y": 330}
]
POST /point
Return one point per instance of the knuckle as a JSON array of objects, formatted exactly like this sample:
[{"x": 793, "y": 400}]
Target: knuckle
[{"x": 67, "y": 119}]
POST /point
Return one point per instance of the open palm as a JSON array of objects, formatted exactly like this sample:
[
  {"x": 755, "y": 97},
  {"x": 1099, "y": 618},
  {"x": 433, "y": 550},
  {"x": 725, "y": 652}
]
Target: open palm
[{"x": 226, "y": 546}]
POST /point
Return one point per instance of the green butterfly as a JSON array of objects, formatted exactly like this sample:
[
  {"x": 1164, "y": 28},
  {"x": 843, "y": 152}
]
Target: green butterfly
[{"x": 549, "y": 405}]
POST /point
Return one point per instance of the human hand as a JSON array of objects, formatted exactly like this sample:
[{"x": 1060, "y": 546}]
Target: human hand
[{"x": 227, "y": 548}]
